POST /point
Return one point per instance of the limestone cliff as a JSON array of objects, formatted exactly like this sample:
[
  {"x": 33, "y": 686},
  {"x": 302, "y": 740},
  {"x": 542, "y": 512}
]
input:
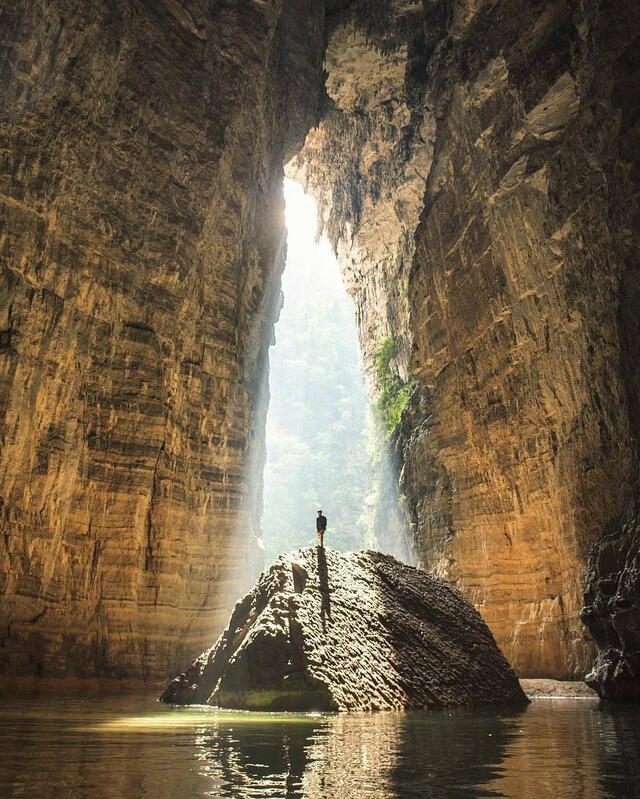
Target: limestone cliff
[
  {"x": 479, "y": 179},
  {"x": 477, "y": 168},
  {"x": 362, "y": 631},
  {"x": 141, "y": 243}
]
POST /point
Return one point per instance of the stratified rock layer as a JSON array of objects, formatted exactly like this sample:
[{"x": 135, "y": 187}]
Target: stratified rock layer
[
  {"x": 477, "y": 166},
  {"x": 362, "y": 631},
  {"x": 525, "y": 446},
  {"x": 140, "y": 250},
  {"x": 501, "y": 254}
]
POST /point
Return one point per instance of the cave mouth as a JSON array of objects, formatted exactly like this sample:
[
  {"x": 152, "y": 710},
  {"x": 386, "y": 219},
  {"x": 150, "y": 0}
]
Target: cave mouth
[{"x": 321, "y": 437}]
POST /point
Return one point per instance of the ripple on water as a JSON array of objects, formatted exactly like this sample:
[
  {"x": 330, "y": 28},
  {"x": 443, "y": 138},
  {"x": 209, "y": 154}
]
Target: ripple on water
[{"x": 116, "y": 748}]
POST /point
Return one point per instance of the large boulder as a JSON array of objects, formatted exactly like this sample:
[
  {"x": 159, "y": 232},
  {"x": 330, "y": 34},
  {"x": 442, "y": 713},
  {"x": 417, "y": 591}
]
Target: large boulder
[{"x": 327, "y": 631}]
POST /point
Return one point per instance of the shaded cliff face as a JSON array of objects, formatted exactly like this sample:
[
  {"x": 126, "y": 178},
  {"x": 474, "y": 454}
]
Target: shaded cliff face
[
  {"x": 499, "y": 251},
  {"x": 367, "y": 164},
  {"x": 612, "y": 609},
  {"x": 141, "y": 248}
]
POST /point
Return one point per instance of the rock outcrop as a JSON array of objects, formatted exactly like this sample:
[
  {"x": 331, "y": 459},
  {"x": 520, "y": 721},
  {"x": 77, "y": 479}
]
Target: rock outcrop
[
  {"x": 362, "y": 631},
  {"x": 486, "y": 215},
  {"x": 612, "y": 610}
]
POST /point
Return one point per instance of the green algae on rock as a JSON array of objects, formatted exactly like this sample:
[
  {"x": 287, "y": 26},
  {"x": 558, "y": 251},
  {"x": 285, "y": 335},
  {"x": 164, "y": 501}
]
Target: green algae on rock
[{"x": 323, "y": 630}]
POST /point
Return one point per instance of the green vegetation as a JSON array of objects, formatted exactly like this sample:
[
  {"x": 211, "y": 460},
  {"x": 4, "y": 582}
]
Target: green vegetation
[
  {"x": 317, "y": 453},
  {"x": 394, "y": 393}
]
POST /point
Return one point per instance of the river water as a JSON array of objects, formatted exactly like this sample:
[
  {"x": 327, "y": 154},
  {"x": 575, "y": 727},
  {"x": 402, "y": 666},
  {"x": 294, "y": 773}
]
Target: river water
[{"x": 126, "y": 748}]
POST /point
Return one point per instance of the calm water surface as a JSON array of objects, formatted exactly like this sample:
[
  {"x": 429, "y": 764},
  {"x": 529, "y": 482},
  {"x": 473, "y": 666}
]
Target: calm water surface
[{"x": 139, "y": 749}]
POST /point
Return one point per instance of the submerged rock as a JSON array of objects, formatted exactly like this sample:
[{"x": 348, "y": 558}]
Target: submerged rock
[{"x": 327, "y": 631}]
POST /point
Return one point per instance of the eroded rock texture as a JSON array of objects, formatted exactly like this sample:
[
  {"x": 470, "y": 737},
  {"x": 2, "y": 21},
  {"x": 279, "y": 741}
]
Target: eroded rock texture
[
  {"x": 477, "y": 168},
  {"x": 501, "y": 252},
  {"x": 515, "y": 298},
  {"x": 362, "y": 631},
  {"x": 367, "y": 164},
  {"x": 141, "y": 239},
  {"x": 612, "y": 610}
]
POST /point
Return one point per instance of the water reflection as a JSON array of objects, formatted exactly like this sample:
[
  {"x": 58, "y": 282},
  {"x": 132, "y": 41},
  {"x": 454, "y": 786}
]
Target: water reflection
[
  {"x": 249, "y": 760},
  {"x": 388, "y": 755},
  {"x": 454, "y": 753},
  {"x": 124, "y": 748},
  {"x": 620, "y": 752},
  {"x": 555, "y": 752},
  {"x": 353, "y": 757}
]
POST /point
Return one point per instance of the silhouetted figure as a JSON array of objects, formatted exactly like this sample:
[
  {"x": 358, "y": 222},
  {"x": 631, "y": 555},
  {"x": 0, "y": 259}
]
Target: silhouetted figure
[{"x": 321, "y": 526}]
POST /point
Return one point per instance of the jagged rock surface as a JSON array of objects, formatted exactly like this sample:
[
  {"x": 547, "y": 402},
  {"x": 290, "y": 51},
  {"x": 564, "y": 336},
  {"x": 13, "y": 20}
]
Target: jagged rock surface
[
  {"x": 612, "y": 610},
  {"x": 502, "y": 255},
  {"x": 362, "y": 631},
  {"x": 142, "y": 228},
  {"x": 515, "y": 299}
]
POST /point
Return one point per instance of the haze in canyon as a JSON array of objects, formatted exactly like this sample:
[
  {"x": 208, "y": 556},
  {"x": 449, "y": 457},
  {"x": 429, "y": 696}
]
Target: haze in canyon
[{"x": 475, "y": 165}]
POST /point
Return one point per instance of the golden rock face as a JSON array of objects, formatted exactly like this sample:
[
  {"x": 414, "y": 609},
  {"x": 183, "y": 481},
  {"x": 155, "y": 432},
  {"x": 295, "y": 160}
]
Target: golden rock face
[
  {"x": 518, "y": 343},
  {"x": 141, "y": 198},
  {"x": 476, "y": 174},
  {"x": 497, "y": 253}
]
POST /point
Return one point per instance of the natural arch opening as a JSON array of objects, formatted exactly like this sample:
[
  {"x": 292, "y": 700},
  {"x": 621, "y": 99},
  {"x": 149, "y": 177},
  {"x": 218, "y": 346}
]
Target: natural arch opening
[
  {"x": 480, "y": 224},
  {"x": 321, "y": 439}
]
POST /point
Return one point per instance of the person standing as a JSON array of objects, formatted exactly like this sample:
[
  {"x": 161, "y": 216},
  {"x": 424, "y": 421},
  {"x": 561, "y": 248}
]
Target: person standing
[{"x": 321, "y": 526}]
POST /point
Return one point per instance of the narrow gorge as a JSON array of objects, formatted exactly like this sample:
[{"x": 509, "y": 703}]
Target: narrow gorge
[{"x": 476, "y": 168}]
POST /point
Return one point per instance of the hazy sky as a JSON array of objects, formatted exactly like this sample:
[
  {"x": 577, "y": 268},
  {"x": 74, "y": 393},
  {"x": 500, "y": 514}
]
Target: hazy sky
[
  {"x": 310, "y": 267},
  {"x": 315, "y": 433}
]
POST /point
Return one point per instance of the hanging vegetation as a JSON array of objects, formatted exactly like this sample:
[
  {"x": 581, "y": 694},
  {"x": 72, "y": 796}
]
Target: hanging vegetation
[{"x": 394, "y": 393}]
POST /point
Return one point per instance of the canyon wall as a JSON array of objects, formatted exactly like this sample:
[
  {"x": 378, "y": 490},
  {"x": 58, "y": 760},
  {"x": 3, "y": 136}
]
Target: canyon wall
[
  {"x": 479, "y": 182},
  {"x": 477, "y": 172},
  {"x": 515, "y": 298},
  {"x": 141, "y": 243}
]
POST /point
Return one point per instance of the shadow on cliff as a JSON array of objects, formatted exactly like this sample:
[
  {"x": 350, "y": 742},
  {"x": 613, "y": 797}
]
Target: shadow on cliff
[{"x": 325, "y": 590}]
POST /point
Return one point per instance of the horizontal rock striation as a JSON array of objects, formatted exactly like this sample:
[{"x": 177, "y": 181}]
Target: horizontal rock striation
[
  {"x": 477, "y": 171},
  {"x": 141, "y": 243},
  {"x": 362, "y": 631},
  {"x": 515, "y": 299},
  {"x": 501, "y": 254}
]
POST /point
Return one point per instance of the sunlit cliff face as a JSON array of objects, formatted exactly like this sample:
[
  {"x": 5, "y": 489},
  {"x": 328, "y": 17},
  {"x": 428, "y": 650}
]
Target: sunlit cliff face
[
  {"x": 475, "y": 168},
  {"x": 471, "y": 207},
  {"x": 140, "y": 278}
]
